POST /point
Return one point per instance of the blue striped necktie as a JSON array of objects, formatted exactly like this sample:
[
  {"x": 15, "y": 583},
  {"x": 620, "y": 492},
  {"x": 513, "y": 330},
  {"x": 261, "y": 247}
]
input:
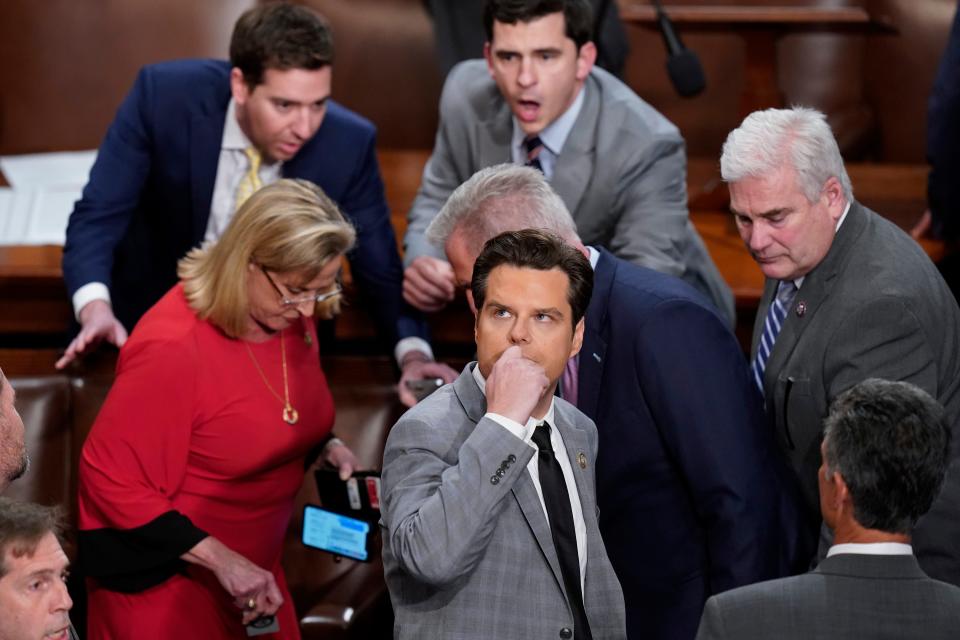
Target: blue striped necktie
[
  {"x": 772, "y": 324},
  {"x": 533, "y": 146}
]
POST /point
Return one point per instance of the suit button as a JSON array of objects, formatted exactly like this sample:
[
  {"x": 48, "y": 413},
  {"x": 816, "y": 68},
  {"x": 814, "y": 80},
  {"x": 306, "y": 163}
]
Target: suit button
[
  {"x": 500, "y": 473},
  {"x": 494, "y": 479},
  {"x": 512, "y": 458},
  {"x": 566, "y": 633}
]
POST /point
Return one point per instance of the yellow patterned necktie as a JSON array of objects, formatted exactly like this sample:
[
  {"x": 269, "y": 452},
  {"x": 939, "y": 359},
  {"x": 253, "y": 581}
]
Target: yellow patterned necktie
[{"x": 251, "y": 179}]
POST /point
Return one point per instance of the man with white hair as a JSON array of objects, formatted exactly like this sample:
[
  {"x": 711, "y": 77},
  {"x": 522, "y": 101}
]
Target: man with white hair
[
  {"x": 691, "y": 495},
  {"x": 848, "y": 296}
]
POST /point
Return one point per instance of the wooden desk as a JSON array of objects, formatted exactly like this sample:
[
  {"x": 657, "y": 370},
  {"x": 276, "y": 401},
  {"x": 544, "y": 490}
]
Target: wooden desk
[{"x": 761, "y": 27}]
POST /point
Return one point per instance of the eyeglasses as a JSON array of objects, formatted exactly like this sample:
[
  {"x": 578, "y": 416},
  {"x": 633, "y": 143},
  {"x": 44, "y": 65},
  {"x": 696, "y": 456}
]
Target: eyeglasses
[{"x": 315, "y": 298}]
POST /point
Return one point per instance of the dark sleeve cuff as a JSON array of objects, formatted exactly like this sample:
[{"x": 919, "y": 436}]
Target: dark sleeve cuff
[{"x": 131, "y": 560}]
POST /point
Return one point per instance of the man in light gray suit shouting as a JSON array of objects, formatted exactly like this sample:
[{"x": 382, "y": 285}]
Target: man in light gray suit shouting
[
  {"x": 489, "y": 506},
  {"x": 885, "y": 453},
  {"x": 537, "y": 99}
]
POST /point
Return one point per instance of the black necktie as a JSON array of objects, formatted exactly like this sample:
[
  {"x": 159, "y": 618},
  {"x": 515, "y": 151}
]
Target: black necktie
[
  {"x": 533, "y": 146},
  {"x": 557, "y": 499}
]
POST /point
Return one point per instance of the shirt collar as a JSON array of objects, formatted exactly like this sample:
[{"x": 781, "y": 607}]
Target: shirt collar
[
  {"x": 531, "y": 422},
  {"x": 872, "y": 549},
  {"x": 799, "y": 281},
  {"x": 554, "y": 135},
  {"x": 594, "y": 257},
  {"x": 233, "y": 135}
]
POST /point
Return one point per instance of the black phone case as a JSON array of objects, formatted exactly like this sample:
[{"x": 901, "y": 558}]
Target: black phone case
[{"x": 334, "y": 496}]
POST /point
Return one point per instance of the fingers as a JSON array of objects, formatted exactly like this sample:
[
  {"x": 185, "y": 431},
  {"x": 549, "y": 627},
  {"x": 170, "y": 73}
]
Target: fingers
[
  {"x": 428, "y": 283},
  {"x": 118, "y": 335},
  {"x": 69, "y": 355},
  {"x": 264, "y": 601},
  {"x": 406, "y": 396}
]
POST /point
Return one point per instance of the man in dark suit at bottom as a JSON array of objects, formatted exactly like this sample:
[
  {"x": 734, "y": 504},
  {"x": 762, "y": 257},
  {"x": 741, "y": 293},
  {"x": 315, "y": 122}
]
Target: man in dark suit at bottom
[
  {"x": 693, "y": 497},
  {"x": 885, "y": 453}
]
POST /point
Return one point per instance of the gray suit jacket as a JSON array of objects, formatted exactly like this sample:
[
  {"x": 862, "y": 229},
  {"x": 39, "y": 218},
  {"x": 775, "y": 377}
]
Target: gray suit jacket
[
  {"x": 621, "y": 173},
  {"x": 848, "y": 597},
  {"x": 874, "y": 307},
  {"x": 467, "y": 553}
]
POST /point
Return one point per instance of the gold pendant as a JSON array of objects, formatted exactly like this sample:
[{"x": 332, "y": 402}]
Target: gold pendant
[
  {"x": 308, "y": 339},
  {"x": 290, "y": 415}
]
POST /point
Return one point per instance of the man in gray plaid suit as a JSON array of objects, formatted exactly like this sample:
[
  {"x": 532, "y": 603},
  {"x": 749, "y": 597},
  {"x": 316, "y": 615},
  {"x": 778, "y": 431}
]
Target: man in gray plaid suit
[{"x": 489, "y": 507}]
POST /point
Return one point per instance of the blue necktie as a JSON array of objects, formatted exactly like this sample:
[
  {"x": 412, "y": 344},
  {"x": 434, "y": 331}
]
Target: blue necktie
[
  {"x": 533, "y": 146},
  {"x": 772, "y": 324}
]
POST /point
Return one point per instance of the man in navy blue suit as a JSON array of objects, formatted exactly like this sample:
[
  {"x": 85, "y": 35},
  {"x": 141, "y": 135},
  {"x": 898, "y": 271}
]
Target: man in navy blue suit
[
  {"x": 195, "y": 137},
  {"x": 693, "y": 497}
]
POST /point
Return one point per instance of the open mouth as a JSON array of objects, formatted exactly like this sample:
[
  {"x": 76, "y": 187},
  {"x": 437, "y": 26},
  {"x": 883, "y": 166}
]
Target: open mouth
[
  {"x": 527, "y": 110},
  {"x": 60, "y": 634}
]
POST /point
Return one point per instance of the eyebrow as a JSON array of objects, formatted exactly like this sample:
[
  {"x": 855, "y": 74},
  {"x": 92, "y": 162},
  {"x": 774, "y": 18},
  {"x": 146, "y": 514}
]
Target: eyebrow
[
  {"x": 764, "y": 214},
  {"x": 322, "y": 100}
]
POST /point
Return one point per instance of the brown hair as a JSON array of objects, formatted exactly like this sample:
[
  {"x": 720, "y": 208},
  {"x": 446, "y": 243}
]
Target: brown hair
[
  {"x": 535, "y": 249},
  {"x": 577, "y": 16},
  {"x": 23, "y": 525},
  {"x": 278, "y": 35},
  {"x": 290, "y": 225}
]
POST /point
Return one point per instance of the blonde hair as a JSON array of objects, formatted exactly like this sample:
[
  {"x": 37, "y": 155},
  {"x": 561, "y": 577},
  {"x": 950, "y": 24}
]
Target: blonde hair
[{"x": 290, "y": 225}]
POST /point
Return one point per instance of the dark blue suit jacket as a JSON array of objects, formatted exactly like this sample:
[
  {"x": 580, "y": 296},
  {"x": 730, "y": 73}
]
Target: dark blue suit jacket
[
  {"x": 148, "y": 198},
  {"x": 690, "y": 487}
]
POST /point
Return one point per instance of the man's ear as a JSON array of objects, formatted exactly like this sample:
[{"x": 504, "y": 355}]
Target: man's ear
[
  {"x": 833, "y": 197},
  {"x": 238, "y": 86},
  {"x": 841, "y": 494},
  {"x": 488, "y": 56},
  {"x": 577, "y": 338},
  {"x": 586, "y": 58}
]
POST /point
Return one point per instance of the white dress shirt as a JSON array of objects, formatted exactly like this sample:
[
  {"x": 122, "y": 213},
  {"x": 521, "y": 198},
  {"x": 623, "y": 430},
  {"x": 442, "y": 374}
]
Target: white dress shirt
[
  {"x": 525, "y": 433},
  {"x": 872, "y": 549}
]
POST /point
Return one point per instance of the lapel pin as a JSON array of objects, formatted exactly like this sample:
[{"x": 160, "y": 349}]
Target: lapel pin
[
  {"x": 801, "y": 308},
  {"x": 582, "y": 459},
  {"x": 596, "y": 357}
]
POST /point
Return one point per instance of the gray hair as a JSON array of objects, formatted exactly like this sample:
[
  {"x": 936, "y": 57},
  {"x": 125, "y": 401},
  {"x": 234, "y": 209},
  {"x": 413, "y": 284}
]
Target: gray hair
[
  {"x": 504, "y": 197},
  {"x": 799, "y": 135},
  {"x": 891, "y": 444}
]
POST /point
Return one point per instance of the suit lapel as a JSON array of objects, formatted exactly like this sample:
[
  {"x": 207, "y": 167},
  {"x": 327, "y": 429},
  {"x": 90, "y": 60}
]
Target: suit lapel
[
  {"x": 810, "y": 297},
  {"x": 206, "y": 136},
  {"x": 526, "y": 495},
  {"x": 574, "y": 167},
  {"x": 494, "y": 134},
  {"x": 594, "y": 349}
]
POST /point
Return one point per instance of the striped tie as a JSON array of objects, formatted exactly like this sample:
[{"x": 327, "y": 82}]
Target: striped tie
[
  {"x": 771, "y": 328},
  {"x": 251, "y": 179},
  {"x": 534, "y": 145}
]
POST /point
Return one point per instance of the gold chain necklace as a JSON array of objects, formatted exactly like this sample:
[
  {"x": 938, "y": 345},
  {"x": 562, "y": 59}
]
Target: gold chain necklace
[{"x": 290, "y": 415}]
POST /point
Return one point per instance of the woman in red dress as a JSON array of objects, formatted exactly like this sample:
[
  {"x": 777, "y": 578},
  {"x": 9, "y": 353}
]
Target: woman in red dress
[{"x": 188, "y": 477}]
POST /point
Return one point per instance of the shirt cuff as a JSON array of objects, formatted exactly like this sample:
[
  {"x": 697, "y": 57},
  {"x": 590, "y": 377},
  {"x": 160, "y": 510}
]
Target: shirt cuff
[
  {"x": 512, "y": 426},
  {"x": 406, "y": 345},
  {"x": 87, "y": 294}
]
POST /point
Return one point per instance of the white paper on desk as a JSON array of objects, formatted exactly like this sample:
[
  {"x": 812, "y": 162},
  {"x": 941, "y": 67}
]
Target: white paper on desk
[
  {"x": 36, "y": 216},
  {"x": 44, "y": 170}
]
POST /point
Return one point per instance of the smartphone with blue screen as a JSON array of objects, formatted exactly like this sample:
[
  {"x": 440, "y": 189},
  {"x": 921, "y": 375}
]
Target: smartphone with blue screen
[{"x": 337, "y": 534}]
